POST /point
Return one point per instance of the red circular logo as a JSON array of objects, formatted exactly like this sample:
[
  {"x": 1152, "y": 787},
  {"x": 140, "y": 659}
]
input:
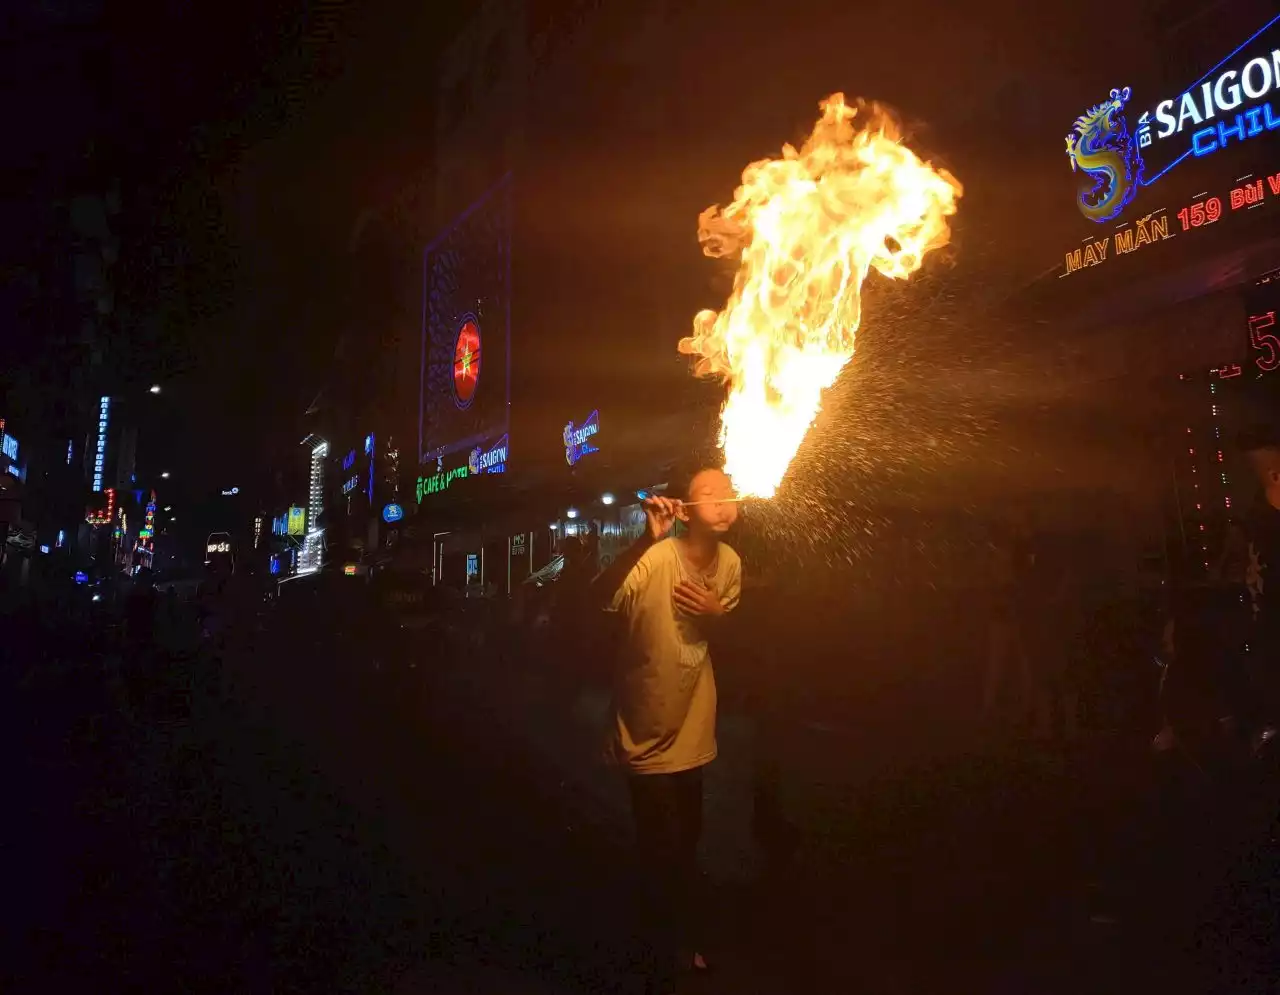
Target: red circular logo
[{"x": 466, "y": 362}]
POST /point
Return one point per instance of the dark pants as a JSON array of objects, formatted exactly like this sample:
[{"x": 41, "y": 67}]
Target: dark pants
[{"x": 667, "y": 809}]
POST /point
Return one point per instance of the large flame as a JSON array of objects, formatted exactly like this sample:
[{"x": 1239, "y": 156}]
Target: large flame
[{"x": 809, "y": 226}]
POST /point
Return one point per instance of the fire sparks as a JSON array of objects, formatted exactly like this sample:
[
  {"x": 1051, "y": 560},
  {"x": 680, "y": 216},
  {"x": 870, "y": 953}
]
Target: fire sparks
[{"x": 809, "y": 227}]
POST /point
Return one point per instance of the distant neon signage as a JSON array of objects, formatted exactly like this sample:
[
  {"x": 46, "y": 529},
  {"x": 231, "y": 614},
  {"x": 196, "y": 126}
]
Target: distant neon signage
[
  {"x": 231, "y": 492},
  {"x": 479, "y": 461},
  {"x": 491, "y": 460},
  {"x": 100, "y": 445},
  {"x": 218, "y": 547},
  {"x": 466, "y": 361},
  {"x": 9, "y": 446},
  {"x": 392, "y": 513},
  {"x": 349, "y": 460},
  {"x": 577, "y": 438},
  {"x": 104, "y": 516},
  {"x": 1162, "y": 225},
  {"x": 350, "y": 485},
  {"x": 297, "y": 521},
  {"x": 1223, "y": 107}
]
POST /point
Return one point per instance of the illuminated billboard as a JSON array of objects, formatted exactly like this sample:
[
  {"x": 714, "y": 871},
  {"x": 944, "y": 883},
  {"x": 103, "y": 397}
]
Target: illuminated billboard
[
  {"x": 297, "y": 521},
  {"x": 464, "y": 388},
  {"x": 1155, "y": 161}
]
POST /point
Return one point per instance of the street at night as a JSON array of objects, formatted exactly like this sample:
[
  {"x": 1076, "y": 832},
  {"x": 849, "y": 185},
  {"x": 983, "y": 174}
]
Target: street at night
[{"x": 541, "y": 497}]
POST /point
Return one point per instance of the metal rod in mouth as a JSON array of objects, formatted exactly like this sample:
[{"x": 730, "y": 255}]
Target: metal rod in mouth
[{"x": 732, "y": 500}]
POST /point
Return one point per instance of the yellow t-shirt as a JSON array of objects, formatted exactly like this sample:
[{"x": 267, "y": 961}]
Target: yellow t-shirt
[{"x": 665, "y": 691}]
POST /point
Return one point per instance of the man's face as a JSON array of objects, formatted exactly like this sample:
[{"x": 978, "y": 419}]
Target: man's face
[{"x": 719, "y": 514}]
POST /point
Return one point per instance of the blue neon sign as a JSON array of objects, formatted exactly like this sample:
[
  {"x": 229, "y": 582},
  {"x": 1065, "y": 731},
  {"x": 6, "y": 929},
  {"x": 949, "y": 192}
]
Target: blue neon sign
[
  {"x": 392, "y": 513},
  {"x": 577, "y": 438},
  {"x": 1232, "y": 102}
]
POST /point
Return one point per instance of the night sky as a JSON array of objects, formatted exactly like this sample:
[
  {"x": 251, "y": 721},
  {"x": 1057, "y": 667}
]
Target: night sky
[{"x": 253, "y": 136}]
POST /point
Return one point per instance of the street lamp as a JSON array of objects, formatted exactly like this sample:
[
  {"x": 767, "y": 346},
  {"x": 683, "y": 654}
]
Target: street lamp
[
  {"x": 155, "y": 388},
  {"x": 165, "y": 475}
]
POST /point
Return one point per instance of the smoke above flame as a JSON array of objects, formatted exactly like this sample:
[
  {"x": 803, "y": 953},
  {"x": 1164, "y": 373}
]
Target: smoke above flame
[{"x": 809, "y": 226}]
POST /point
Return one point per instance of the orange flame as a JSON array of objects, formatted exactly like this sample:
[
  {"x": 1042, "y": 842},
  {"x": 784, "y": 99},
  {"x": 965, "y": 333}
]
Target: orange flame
[{"x": 809, "y": 226}]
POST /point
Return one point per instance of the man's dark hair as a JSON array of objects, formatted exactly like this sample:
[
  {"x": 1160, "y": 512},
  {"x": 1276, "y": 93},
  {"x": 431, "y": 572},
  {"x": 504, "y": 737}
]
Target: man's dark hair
[{"x": 681, "y": 477}]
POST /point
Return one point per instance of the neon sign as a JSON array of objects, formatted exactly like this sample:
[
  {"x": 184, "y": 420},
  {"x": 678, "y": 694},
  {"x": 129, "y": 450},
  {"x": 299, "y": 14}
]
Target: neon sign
[
  {"x": 100, "y": 450},
  {"x": 9, "y": 445},
  {"x": 1221, "y": 108},
  {"x": 466, "y": 361},
  {"x": 479, "y": 461},
  {"x": 350, "y": 485},
  {"x": 1246, "y": 194},
  {"x": 392, "y": 513},
  {"x": 107, "y": 515},
  {"x": 1263, "y": 340},
  {"x": 349, "y": 460},
  {"x": 577, "y": 439},
  {"x": 491, "y": 460}
]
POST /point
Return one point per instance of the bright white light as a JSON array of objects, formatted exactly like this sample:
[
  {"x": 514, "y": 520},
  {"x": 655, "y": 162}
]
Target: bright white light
[
  {"x": 168, "y": 507},
  {"x": 155, "y": 388},
  {"x": 165, "y": 475},
  {"x": 606, "y": 499},
  {"x": 97, "y": 597},
  {"x": 572, "y": 513},
  {"x": 554, "y": 526}
]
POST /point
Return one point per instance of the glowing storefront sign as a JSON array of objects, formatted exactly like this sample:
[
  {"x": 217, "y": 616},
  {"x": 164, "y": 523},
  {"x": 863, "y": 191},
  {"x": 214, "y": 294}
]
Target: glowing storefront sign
[
  {"x": 392, "y": 513},
  {"x": 9, "y": 445},
  {"x": 479, "y": 461},
  {"x": 1223, "y": 107},
  {"x": 297, "y": 521},
  {"x": 218, "y": 547},
  {"x": 491, "y": 460},
  {"x": 230, "y": 491},
  {"x": 100, "y": 444},
  {"x": 577, "y": 439}
]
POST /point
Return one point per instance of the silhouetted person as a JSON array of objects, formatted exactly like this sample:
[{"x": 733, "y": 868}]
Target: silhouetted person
[{"x": 1262, "y": 587}]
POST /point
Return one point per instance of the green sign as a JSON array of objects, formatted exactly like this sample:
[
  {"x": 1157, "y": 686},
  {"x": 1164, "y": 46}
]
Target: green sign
[
  {"x": 440, "y": 481},
  {"x": 297, "y": 521}
]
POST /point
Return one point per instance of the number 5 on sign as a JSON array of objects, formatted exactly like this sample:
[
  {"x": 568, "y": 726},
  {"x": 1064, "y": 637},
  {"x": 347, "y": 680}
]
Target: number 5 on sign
[{"x": 1262, "y": 338}]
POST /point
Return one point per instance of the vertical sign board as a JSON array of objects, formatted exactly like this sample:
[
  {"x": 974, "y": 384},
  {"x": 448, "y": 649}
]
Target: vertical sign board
[{"x": 465, "y": 375}]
